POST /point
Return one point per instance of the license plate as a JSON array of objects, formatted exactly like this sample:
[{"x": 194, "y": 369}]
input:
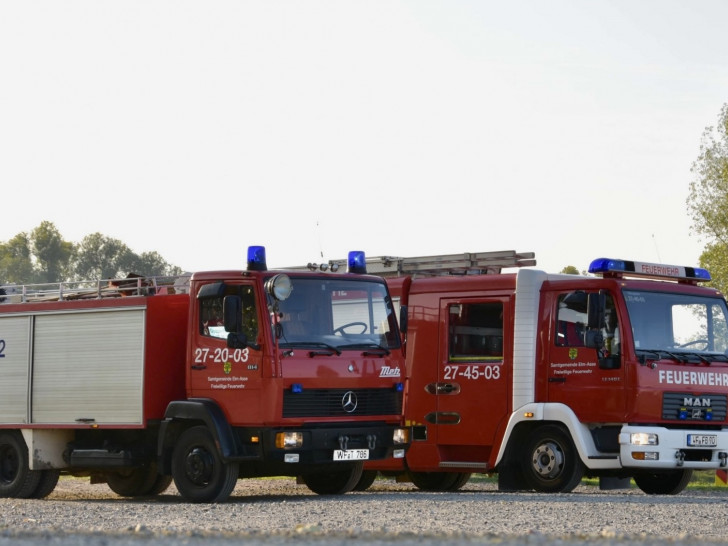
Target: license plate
[
  {"x": 351, "y": 454},
  {"x": 710, "y": 440}
]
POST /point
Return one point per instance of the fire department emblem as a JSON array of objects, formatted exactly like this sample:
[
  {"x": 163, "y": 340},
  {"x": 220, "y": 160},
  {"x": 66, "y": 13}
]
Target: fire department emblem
[
  {"x": 227, "y": 367},
  {"x": 573, "y": 353}
]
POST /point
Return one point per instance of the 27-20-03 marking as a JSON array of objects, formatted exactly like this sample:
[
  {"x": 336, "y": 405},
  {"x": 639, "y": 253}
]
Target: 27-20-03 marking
[{"x": 204, "y": 355}]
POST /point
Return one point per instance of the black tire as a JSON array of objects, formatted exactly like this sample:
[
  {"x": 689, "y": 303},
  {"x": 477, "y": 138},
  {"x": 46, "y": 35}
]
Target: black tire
[
  {"x": 160, "y": 485},
  {"x": 199, "y": 472},
  {"x": 663, "y": 483},
  {"x": 366, "y": 480},
  {"x": 16, "y": 478},
  {"x": 550, "y": 462},
  {"x": 435, "y": 481},
  {"x": 335, "y": 482},
  {"x": 463, "y": 478},
  {"x": 46, "y": 485},
  {"x": 134, "y": 482}
]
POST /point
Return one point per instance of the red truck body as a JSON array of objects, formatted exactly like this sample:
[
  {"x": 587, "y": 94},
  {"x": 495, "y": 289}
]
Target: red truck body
[
  {"x": 229, "y": 374},
  {"x": 544, "y": 378}
]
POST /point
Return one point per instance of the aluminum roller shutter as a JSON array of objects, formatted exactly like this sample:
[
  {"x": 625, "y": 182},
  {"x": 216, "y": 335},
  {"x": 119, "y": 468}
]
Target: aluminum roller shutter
[
  {"x": 14, "y": 365},
  {"x": 89, "y": 365}
]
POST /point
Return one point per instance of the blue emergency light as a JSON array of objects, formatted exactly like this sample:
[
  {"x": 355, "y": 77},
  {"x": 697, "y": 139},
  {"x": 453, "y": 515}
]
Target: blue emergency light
[
  {"x": 619, "y": 268},
  {"x": 256, "y": 258},
  {"x": 357, "y": 262}
]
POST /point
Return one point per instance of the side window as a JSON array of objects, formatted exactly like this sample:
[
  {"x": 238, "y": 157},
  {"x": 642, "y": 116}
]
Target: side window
[
  {"x": 211, "y": 318},
  {"x": 475, "y": 332},
  {"x": 211, "y": 314},
  {"x": 571, "y": 323},
  {"x": 250, "y": 314},
  {"x": 571, "y": 320}
]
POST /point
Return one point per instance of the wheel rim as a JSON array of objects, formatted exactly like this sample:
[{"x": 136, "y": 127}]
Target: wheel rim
[
  {"x": 199, "y": 466},
  {"x": 547, "y": 460}
]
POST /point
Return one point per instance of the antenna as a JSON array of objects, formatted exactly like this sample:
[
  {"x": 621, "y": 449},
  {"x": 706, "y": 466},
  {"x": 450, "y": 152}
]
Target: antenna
[
  {"x": 657, "y": 250},
  {"x": 318, "y": 235}
]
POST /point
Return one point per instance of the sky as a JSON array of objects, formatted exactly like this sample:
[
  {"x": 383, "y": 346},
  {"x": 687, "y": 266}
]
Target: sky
[{"x": 566, "y": 128}]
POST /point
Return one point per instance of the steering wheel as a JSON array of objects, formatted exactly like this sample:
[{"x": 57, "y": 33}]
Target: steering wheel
[
  {"x": 694, "y": 342},
  {"x": 340, "y": 329}
]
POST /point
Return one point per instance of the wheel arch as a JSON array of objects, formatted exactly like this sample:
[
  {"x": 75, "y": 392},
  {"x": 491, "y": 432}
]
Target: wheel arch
[
  {"x": 182, "y": 414},
  {"x": 531, "y": 416}
]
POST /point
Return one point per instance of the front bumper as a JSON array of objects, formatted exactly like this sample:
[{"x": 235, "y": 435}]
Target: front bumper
[
  {"x": 317, "y": 445},
  {"x": 663, "y": 448}
]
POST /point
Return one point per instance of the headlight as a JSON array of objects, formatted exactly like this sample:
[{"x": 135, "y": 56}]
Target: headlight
[
  {"x": 643, "y": 439},
  {"x": 400, "y": 436}
]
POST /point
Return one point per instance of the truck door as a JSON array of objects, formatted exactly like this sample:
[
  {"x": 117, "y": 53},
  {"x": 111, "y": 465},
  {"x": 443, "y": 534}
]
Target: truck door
[
  {"x": 472, "y": 388},
  {"x": 589, "y": 380},
  {"x": 231, "y": 376}
]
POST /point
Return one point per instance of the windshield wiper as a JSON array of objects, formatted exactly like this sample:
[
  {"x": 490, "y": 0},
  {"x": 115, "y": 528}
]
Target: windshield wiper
[
  {"x": 326, "y": 349},
  {"x": 683, "y": 357},
  {"x": 701, "y": 357},
  {"x": 658, "y": 354},
  {"x": 370, "y": 349}
]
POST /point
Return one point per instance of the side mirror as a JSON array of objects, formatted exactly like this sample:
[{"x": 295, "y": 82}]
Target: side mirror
[
  {"x": 237, "y": 340},
  {"x": 593, "y": 339},
  {"x": 232, "y": 314},
  {"x": 596, "y": 303},
  {"x": 403, "y": 319}
]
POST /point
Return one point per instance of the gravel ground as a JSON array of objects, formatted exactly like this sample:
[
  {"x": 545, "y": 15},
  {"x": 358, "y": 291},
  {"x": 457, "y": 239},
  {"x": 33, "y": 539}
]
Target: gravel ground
[{"x": 278, "y": 511}]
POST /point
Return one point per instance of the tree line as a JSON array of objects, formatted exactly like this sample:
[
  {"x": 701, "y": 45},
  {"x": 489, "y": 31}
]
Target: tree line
[{"x": 44, "y": 256}]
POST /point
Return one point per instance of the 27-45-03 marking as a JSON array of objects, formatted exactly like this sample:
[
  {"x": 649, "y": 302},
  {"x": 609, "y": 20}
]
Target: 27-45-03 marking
[{"x": 472, "y": 371}]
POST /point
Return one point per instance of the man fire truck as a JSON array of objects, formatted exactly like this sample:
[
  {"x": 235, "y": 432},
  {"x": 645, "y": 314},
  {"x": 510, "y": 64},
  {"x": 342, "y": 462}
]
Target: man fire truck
[
  {"x": 227, "y": 375},
  {"x": 546, "y": 378}
]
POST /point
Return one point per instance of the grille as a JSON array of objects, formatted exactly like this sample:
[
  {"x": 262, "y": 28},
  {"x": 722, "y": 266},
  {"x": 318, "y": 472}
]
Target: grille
[
  {"x": 695, "y": 406},
  {"x": 328, "y": 402}
]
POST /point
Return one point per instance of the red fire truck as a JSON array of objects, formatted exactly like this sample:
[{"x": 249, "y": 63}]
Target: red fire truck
[
  {"x": 214, "y": 377},
  {"x": 543, "y": 378}
]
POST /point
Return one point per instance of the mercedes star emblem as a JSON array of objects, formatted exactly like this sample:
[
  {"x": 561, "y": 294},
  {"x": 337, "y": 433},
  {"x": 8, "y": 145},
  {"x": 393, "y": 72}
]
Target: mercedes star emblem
[{"x": 349, "y": 401}]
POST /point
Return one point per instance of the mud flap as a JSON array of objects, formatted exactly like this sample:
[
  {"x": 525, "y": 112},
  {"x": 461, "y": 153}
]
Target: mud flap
[{"x": 609, "y": 483}]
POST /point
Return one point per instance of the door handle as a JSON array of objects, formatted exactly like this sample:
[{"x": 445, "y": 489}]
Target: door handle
[{"x": 443, "y": 388}]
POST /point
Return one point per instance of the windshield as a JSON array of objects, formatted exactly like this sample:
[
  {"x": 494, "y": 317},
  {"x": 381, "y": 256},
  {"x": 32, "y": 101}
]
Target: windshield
[
  {"x": 338, "y": 313},
  {"x": 677, "y": 322}
]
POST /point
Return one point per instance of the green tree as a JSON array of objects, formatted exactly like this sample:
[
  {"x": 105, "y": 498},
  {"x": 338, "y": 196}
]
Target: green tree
[
  {"x": 52, "y": 253},
  {"x": 16, "y": 264},
  {"x": 43, "y": 256},
  {"x": 152, "y": 263},
  {"x": 101, "y": 257},
  {"x": 570, "y": 270},
  {"x": 707, "y": 200}
]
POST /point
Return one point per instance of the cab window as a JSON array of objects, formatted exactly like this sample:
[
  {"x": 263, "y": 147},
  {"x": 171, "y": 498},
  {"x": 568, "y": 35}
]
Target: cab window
[
  {"x": 475, "y": 332},
  {"x": 571, "y": 323},
  {"x": 211, "y": 314}
]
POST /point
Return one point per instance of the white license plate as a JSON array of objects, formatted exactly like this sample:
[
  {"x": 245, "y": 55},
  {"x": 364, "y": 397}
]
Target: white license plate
[
  {"x": 709, "y": 440},
  {"x": 351, "y": 454}
]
